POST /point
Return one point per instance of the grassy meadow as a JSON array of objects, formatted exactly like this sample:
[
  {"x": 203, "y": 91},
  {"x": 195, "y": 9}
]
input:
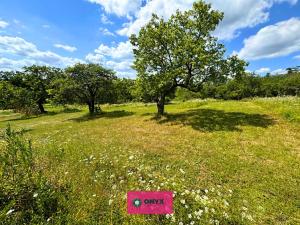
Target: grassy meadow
[{"x": 228, "y": 162}]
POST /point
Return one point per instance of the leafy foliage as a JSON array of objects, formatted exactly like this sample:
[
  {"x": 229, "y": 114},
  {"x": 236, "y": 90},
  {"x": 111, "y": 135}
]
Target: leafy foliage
[
  {"x": 27, "y": 91},
  {"x": 87, "y": 83},
  {"x": 251, "y": 85},
  {"x": 26, "y": 197},
  {"x": 181, "y": 52}
]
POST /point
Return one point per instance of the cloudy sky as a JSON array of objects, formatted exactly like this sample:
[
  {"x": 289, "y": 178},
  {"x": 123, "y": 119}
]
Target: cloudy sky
[{"x": 62, "y": 32}]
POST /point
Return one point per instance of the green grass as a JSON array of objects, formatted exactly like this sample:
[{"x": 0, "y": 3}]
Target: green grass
[{"x": 251, "y": 147}]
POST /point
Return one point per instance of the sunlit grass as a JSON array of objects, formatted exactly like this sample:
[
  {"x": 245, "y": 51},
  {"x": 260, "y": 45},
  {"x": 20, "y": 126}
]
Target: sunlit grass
[{"x": 249, "y": 147}]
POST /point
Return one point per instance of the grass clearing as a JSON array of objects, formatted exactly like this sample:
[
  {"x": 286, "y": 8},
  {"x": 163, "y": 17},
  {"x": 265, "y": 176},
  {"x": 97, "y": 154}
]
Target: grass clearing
[{"x": 250, "y": 147}]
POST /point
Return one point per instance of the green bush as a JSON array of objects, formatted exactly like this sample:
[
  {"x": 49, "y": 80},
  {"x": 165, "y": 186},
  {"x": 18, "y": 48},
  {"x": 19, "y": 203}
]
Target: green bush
[{"x": 26, "y": 196}]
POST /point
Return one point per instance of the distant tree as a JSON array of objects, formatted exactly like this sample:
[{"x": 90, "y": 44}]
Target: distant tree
[
  {"x": 7, "y": 94},
  {"x": 87, "y": 83},
  {"x": 28, "y": 89},
  {"x": 37, "y": 80},
  {"x": 123, "y": 90},
  {"x": 181, "y": 52},
  {"x": 291, "y": 70}
]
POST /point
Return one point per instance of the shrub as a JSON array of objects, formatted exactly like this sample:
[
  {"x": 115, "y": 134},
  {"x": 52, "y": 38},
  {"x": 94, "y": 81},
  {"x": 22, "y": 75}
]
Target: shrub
[{"x": 26, "y": 196}]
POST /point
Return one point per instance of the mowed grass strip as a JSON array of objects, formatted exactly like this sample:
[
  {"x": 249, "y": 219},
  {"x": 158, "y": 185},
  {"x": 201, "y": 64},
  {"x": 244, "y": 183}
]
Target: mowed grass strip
[{"x": 250, "y": 147}]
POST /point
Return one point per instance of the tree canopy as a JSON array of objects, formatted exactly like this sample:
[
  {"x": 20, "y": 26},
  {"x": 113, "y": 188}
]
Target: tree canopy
[
  {"x": 181, "y": 52},
  {"x": 87, "y": 83}
]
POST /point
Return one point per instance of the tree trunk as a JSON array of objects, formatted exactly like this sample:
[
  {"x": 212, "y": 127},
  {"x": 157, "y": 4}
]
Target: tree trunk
[
  {"x": 91, "y": 107},
  {"x": 41, "y": 107},
  {"x": 161, "y": 106}
]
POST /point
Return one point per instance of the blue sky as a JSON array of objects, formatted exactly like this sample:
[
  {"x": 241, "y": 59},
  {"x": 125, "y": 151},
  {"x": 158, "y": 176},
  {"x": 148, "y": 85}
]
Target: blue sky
[{"x": 60, "y": 33}]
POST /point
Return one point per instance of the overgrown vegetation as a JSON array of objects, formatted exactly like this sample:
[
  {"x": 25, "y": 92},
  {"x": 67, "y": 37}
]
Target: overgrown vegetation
[
  {"x": 247, "y": 86},
  {"x": 26, "y": 195},
  {"x": 202, "y": 150}
]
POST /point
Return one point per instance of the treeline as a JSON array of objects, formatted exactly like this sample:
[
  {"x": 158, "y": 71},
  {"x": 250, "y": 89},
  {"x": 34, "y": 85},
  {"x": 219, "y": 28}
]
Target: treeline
[
  {"x": 247, "y": 86},
  {"x": 28, "y": 90}
]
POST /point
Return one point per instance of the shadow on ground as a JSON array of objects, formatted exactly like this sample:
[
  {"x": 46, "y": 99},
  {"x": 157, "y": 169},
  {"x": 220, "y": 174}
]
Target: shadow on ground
[
  {"x": 209, "y": 120},
  {"x": 113, "y": 114},
  {"x": 48, "y": 113}
]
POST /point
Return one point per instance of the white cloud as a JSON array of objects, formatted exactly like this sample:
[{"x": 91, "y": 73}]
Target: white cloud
[
  {"x": 16, "y": 47},
  {"x": 239, "y": 14},
  {"x": 10, "y": 64},
  {"x": 297, "y": 57},
  {"x": 280, "y": 39},
  {"x": 66, "y": 47},
  {"x": 118, "y": 58},
  {"x": 106, "y": 32},
  {"x": 122, "y": 51},
  {"x": 278, "y": 71},
  {"x": 3, "y": 24},
  {"x": 163, "y": 8},
  {"x": 105, "y": 20},
  {"x": 119, "y": 7},
  {"x": 263, "y": 70}
]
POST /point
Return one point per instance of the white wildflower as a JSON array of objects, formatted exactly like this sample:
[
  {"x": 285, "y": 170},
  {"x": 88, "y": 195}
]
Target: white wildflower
[
  {"x": 244, "y": 208},
  {"x": 10, "y": 212},
  {"x": 225, "y": 215},
  {"x": 226, "y": 203},
  {"x": 205, "y": 197}
]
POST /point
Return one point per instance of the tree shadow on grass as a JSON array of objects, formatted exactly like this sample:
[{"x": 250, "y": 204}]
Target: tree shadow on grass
[
  {"x": 111, "y": 115},
  {"x": 29, "y": 117},
  {"x": 208, "y": 120},
  {"x": 47, "y": 113}
]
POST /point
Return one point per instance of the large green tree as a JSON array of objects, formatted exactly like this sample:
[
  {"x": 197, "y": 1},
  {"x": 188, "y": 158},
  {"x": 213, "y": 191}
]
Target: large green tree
[
  {"x": 37, "y": 80},
  {"x": 181, "y": 52},
  {"x": 87, "y": 83},
  {"x": 28, "y": 89}
]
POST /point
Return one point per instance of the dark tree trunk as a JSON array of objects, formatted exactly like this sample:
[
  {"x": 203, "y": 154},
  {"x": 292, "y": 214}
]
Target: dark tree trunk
[
  {"x": 161, "y": 105},
  {"x": 91, "y": 106},
  {"x": 41, "y": 108}
]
